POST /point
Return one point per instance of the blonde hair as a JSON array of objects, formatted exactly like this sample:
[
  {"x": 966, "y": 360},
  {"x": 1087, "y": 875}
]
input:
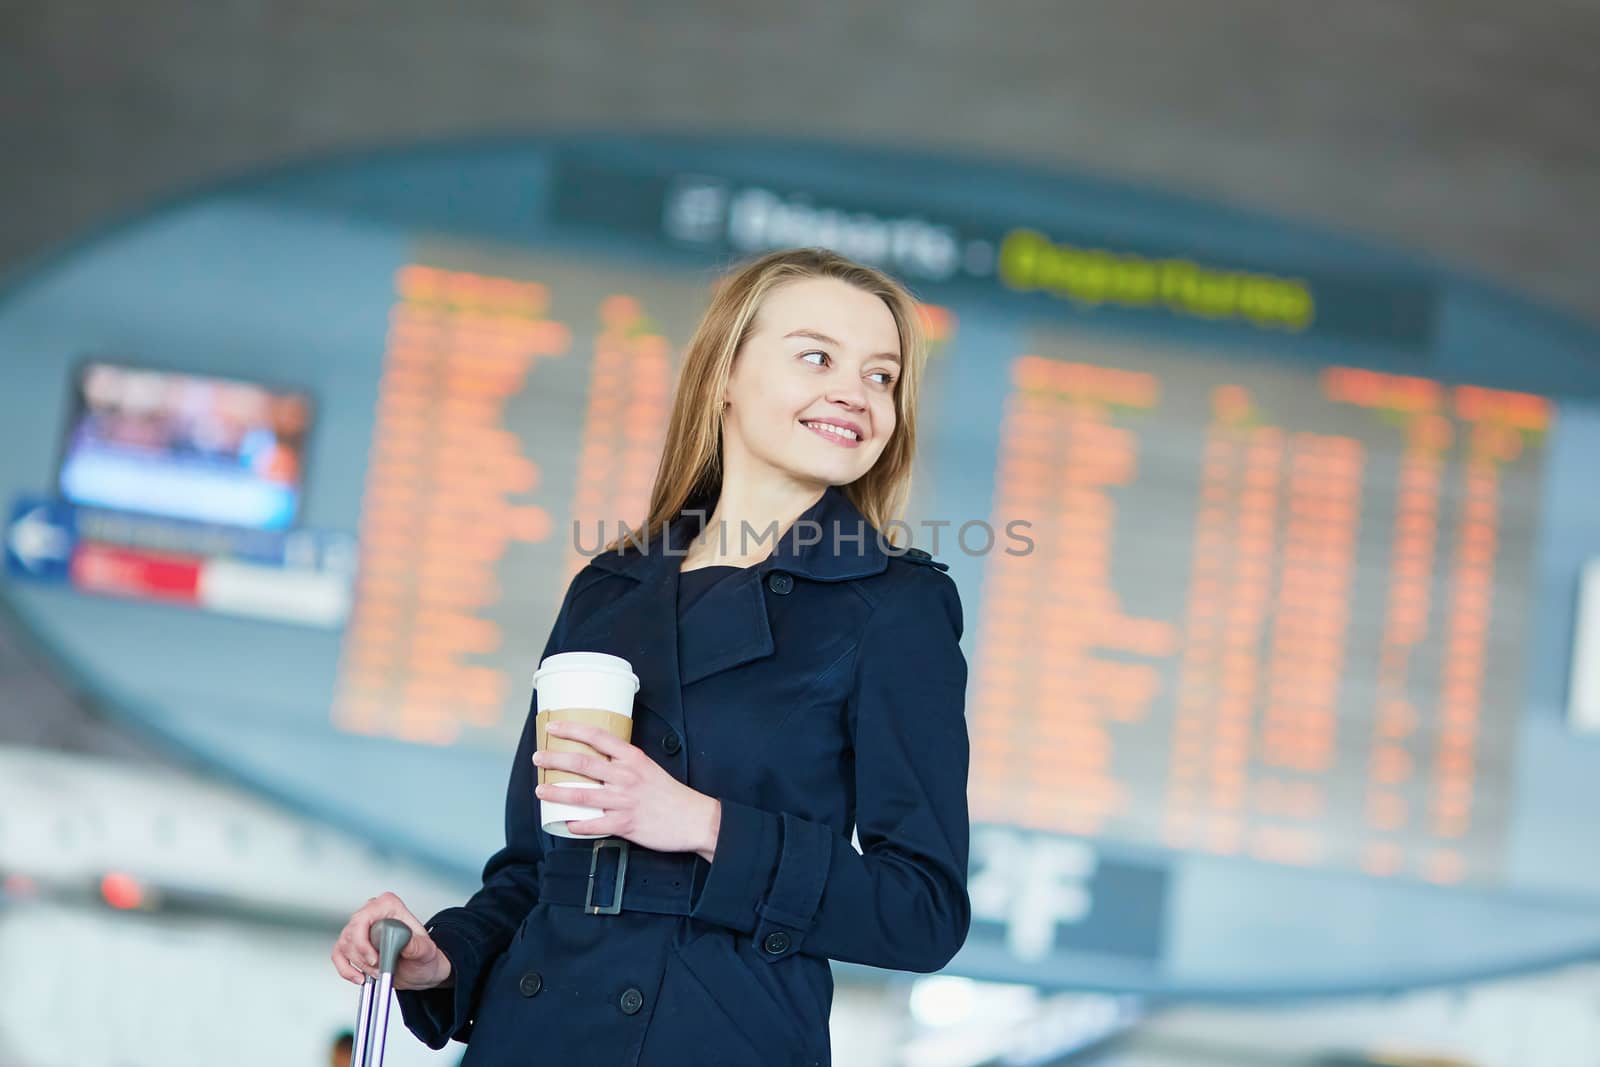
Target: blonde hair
[{"x": 690, "y": 470}]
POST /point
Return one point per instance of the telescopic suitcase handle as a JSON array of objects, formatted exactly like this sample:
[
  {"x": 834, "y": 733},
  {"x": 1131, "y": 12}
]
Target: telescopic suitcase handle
[{"x": 391, "y": 937}]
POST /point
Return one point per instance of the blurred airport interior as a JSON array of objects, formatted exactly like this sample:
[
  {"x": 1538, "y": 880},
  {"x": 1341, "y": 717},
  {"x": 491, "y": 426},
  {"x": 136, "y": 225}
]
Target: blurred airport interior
[{"x": 332, "y": 334}]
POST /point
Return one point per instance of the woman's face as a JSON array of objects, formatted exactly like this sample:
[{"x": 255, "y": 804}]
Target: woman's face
[{"x": 822, "y": 352}]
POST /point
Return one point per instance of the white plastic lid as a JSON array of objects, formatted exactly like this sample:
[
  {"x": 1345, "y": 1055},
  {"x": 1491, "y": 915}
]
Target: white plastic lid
[{"x": 602, "y": 662}]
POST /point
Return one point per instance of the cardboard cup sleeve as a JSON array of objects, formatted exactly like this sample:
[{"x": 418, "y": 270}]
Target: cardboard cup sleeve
[{"x": 620, "y": 726}]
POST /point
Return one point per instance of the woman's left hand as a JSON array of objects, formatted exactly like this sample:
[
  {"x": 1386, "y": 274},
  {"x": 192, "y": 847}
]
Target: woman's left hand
[{"x": 641, "y": 801}]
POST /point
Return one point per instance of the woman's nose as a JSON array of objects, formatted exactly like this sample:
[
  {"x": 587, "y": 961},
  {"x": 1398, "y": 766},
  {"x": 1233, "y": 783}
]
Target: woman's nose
[{"x": 853, "y": 395}]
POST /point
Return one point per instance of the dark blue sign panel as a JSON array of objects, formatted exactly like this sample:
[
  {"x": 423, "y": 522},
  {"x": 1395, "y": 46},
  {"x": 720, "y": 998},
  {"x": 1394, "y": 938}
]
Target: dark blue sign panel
[
  {"x": 40, "y": 537},
  {"x": 295, "y": 576},
  {"x": 1069, "y": 271}
]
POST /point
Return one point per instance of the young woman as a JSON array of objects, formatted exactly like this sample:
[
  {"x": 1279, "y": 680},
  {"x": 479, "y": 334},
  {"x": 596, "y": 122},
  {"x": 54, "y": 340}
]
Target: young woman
[{"x": 793, "y": 688}]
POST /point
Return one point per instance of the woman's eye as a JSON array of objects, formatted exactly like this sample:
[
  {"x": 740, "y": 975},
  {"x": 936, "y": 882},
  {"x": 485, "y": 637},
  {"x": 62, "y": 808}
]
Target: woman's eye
[{"x": 888, "y": 376}]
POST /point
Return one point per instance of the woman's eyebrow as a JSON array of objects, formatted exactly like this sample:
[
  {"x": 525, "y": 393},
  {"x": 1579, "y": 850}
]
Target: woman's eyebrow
[{"x": 817, "y": 335}]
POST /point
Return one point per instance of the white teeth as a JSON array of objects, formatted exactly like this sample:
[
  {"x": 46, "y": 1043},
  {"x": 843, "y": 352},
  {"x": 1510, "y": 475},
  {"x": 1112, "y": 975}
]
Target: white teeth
[{"x": 838, "y": 431}]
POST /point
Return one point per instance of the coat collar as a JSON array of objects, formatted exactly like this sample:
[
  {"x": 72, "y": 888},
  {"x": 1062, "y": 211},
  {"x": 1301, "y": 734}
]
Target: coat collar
[
  {"x": 831, "y": 541},
  {"x": 730, "y": 627}
]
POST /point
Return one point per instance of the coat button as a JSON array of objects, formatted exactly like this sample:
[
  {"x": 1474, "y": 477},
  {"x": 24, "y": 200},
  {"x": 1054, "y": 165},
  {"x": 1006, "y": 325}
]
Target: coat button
[
  {"x": 777, "y": 943},
  {"x": 780, "y": 583},
  {"x": 670, "y": 744},
  {"x": 632, "y": 1000},
  {"x": 531, "y": 984}
]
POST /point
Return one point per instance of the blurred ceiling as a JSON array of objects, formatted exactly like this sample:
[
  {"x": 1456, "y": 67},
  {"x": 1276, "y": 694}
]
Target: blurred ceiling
[{"x": 1466, "y": 129}]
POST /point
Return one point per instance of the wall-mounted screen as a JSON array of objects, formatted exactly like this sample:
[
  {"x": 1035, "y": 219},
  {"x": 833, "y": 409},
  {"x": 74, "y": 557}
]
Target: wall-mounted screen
[{"x": 185, "y": 446}]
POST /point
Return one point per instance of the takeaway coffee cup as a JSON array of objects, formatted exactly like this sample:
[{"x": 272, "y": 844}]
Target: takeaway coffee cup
[{"x": 587, "y": 687}]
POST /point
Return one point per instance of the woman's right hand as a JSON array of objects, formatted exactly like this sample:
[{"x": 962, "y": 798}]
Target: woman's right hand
[{"x": 421, "y": 964}]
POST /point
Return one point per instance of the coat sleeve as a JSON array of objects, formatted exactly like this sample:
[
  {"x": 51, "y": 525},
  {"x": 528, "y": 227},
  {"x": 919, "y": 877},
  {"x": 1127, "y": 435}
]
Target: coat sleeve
[
  {"x": 902, "y": 901},
  {"x": 473, "y": 935}
]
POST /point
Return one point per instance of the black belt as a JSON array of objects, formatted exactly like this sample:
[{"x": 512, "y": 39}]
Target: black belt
[{"x": 613, "y": 875}]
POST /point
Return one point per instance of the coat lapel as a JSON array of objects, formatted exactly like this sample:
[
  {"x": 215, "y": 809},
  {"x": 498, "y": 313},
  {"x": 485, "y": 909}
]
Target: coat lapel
[
  {"x": 641, "y": 626},
  {"x": 725, "y": 629}
]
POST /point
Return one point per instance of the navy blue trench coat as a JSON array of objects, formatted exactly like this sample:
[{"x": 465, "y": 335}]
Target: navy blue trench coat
[{"x": 818, "y": 691}]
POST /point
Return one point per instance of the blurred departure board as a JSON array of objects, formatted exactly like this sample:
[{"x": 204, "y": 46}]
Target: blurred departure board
[
  {"x": 510, "y": 409},
  {"x": 1269, "y": 611},
  {"x": 1273, "y": 608}
]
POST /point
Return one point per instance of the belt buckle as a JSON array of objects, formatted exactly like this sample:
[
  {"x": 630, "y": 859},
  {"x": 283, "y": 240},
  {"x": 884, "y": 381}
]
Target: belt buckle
[{"x": 615, "y": 907}]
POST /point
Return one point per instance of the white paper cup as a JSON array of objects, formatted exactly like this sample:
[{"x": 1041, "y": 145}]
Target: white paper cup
[{"x": 587, "y": 683}]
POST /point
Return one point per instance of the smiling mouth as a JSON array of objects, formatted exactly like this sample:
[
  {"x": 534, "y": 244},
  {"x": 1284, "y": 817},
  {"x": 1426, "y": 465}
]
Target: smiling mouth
[{"x": 837, "y": 434}]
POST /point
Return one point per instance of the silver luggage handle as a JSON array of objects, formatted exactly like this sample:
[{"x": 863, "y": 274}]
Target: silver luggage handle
[{"x": 391, "y": 937}]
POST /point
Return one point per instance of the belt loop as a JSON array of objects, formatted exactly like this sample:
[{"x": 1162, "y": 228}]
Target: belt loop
[{"x": 621, "y": 844}]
